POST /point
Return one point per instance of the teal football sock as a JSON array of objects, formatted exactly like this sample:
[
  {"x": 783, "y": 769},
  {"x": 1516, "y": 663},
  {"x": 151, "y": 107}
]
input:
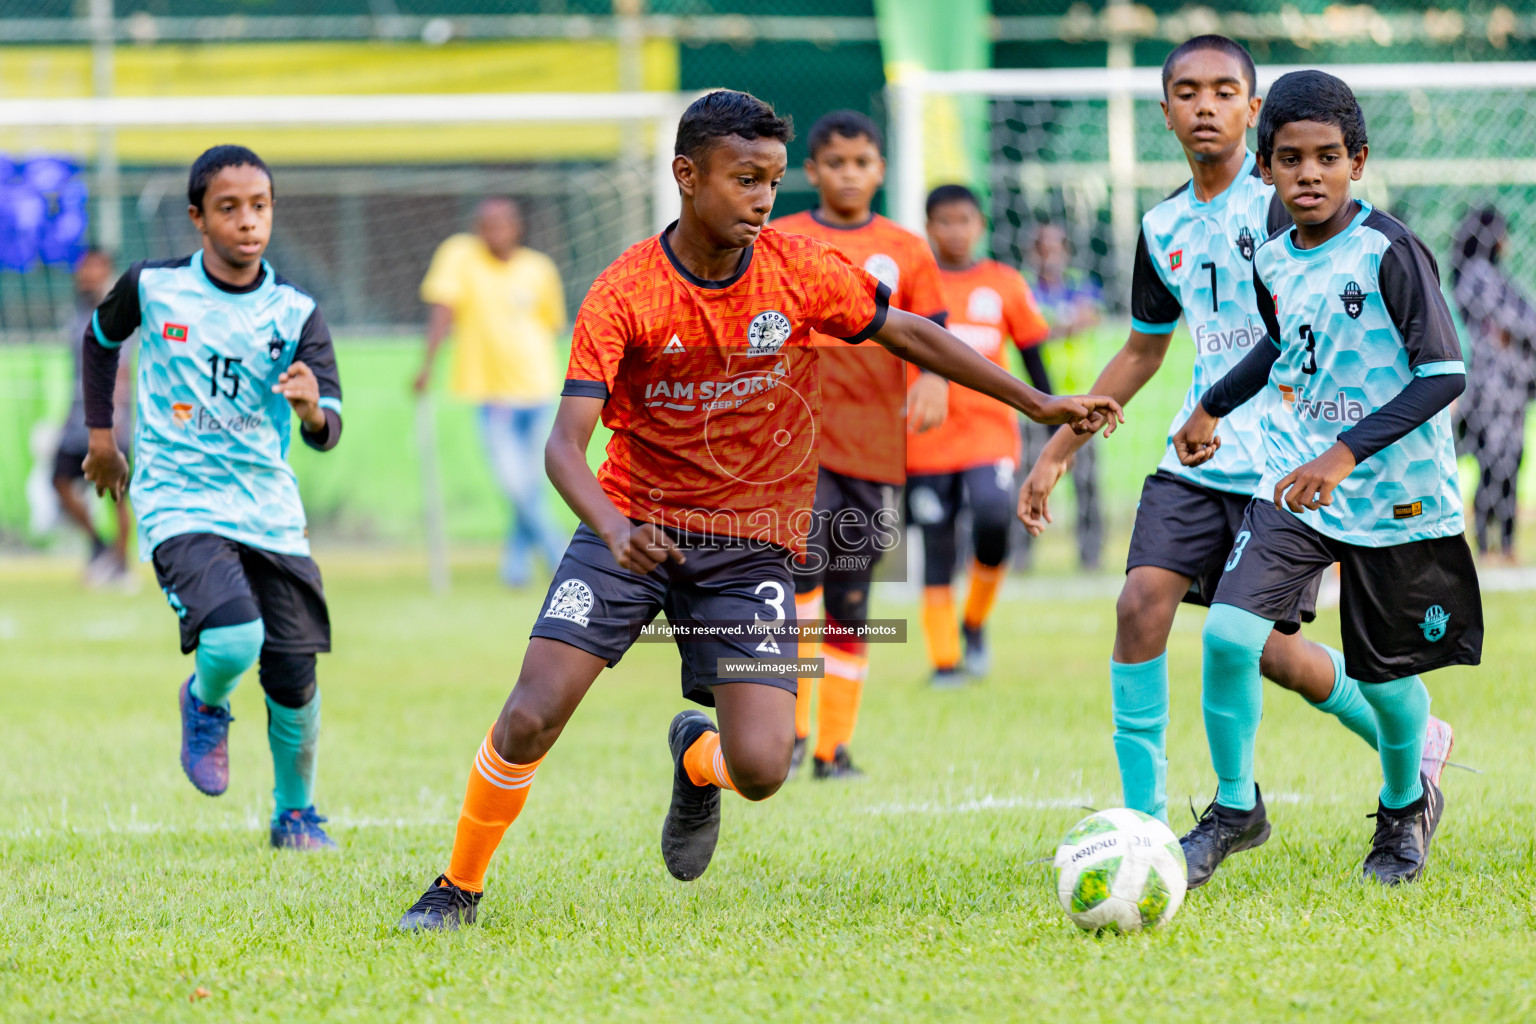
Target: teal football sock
[
  {"x": 1347, "y": 704},
  {"x": 1232, "y": 696},
  {"x": 1139, "y": 697},
  {"x": 1402, "y": 707},
  {"x": 224, "y": 653},
  {"x": 294, "y": 736}
]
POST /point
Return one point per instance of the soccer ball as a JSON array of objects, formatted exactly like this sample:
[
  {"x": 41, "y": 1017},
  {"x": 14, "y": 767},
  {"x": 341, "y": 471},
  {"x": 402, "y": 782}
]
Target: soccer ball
[{"x": 1120, "y": 870}]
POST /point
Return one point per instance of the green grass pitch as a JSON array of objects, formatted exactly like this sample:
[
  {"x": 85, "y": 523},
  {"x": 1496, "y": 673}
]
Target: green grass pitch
[{"x": 914, "y": 895}]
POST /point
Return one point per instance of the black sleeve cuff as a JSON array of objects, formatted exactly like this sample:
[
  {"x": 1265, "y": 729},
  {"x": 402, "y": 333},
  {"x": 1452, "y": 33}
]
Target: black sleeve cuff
[
  {"x": 325, "y": 440},
  {"x": 584, "y": 389},
  {"x": 941, "y": 318},
  {"x": 98, "y": 379},
  {"x": 882, "y": 307}
]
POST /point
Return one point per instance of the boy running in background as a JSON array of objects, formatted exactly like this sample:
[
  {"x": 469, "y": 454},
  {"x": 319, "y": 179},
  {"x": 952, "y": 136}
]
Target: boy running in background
[
  {"x": 694, "y": 348},
  {"x": 108, "y": 562},
  {"x": 227, "y": 348},
  {"x": 864, "y": 397},
  {"x": 1195, "y": 259},
  {"x": 1365, "y": 361},
  {"x": 1072, "y": 303},
  {"x": 970, "y": 458}
]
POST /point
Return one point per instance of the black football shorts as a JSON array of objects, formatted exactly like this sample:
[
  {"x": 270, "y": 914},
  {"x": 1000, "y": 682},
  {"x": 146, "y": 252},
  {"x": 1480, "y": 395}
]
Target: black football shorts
[
  {"x": 201, "y": 572},
  {"x": 854, "y": 523},
  {"x": 1407, "y": 608},
  {"x": 1189, "y": 529},
  {"x": 735, "y": 598}
]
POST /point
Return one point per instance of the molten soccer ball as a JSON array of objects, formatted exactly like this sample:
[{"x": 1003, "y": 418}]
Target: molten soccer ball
[{"x": 1120, "y": 870}]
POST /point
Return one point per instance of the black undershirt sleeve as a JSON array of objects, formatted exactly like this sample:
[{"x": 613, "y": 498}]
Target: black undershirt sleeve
[
  {"x": 1411, "y": 409},
  {"x": 1034, "y": 365},
  {"x": 117, "y": 318},
  {"x": 1243, "y": 381},
  {"x": 316, "y": 352}
]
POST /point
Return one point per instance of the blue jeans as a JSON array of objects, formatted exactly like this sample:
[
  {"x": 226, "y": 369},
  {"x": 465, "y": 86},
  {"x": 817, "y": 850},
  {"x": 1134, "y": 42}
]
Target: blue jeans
[{"x": 514, "y": 442}]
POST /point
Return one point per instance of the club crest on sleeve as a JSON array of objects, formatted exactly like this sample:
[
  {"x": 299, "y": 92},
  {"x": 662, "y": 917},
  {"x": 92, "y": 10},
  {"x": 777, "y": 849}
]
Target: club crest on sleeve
[
  {"x": 1176, "y": 259},
  {"x": 571, "y": 601},
  {"x": 1245, "y": 244},
  {"x": 1434, "y": 623},
  {"x": 1354, "y": 300},
  {"x": 767, "y": 333},
  {"x": 883, "y": 269}
]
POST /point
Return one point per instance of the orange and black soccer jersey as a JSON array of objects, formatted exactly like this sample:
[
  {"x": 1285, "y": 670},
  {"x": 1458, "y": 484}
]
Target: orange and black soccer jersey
[
  {"x": 712, "y": 387},
  {"x": 987, "y": 303},
  {"x": 863, "y": 390}
]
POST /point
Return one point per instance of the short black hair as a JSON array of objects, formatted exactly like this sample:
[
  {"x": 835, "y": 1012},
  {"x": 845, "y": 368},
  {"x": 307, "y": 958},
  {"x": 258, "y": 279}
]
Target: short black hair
[
  {"x": 1231, "y": 47},
  {"x": 1311, "y": 96},
  {"x": 944, "y": 195},
  {"x": 848, "y": 124},
  {"x": 724, "y": 112},
  {"x": 215, "y": 160}
]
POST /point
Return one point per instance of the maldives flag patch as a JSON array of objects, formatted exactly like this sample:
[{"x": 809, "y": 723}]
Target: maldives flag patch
[
  {"x": 1175, "y": 261},
  {"x": 175, "y": 332}
]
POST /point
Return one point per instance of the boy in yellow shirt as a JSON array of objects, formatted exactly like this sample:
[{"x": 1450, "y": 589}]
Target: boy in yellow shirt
[{"x": 504, "y": 305}]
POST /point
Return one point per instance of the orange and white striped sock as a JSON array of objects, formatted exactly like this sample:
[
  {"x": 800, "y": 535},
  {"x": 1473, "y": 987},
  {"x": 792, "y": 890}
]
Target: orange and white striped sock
[
  {"x": 493, "y": 799},
  {"x": 807, "y": 609},
  {"x": 986, "y": 580},
  {"x": 705, "y": 762},
  {"x": 842, "y": 691},
  {"x": 939, "y": 627}
]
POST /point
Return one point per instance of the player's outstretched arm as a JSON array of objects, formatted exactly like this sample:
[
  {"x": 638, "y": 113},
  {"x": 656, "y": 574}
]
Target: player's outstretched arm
[
  {"x": 636, "y": 548},
  {"x": 1122, "y": 377},
  {"x": 925, "y": 344}
]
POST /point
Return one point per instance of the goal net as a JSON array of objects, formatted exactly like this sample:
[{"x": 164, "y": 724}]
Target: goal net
[{"x": 1087, "y": 149}]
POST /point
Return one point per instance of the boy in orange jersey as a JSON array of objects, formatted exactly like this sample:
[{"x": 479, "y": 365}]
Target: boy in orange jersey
[
  {"x": 865, "y": 395},
  {"x": 694, "y": 348},
  {"x": 971, "y": 456}
]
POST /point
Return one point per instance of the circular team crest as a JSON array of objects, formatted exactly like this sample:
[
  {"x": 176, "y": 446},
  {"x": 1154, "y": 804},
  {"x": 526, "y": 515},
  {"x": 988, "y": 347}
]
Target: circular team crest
[
  {"x": 571, "y": 601},
  {"x": 883, "y": 269},
  {"x": 985, "y": 306},
  {"x": 767, "y": 333}
]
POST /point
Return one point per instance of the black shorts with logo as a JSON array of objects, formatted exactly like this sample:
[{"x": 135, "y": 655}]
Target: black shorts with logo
[
  {"x": 1407, "y": 608},
  {"x": 736, "y": 595},
  {"x": 201, "y": 572},
  {"x": 1189, "y": 529},
  {"x": 855, "y": 523}
]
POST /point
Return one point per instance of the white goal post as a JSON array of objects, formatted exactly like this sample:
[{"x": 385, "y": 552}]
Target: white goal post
[{"x": 1461, "y": 131}]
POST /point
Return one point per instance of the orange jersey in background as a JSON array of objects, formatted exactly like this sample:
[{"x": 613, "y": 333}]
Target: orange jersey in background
[
  {"x": 987, "y": 303},
  {"x": 712, "y": 388},
  {"x": 864, "y": 390}
]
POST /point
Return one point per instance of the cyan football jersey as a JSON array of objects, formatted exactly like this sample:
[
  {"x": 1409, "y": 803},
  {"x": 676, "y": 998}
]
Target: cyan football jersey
[
  {"x": 1196, "y": 259},
  {"x": 211, "y": 442},
  {"x": 1357, "y": 318}
]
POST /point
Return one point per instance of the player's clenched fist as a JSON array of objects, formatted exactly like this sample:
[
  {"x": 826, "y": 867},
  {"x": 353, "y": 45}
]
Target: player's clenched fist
[
  {"x": 1196, "y": 441},
  {"x": 299, "y": 386},
  {"x": 642, "y": 548}
]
